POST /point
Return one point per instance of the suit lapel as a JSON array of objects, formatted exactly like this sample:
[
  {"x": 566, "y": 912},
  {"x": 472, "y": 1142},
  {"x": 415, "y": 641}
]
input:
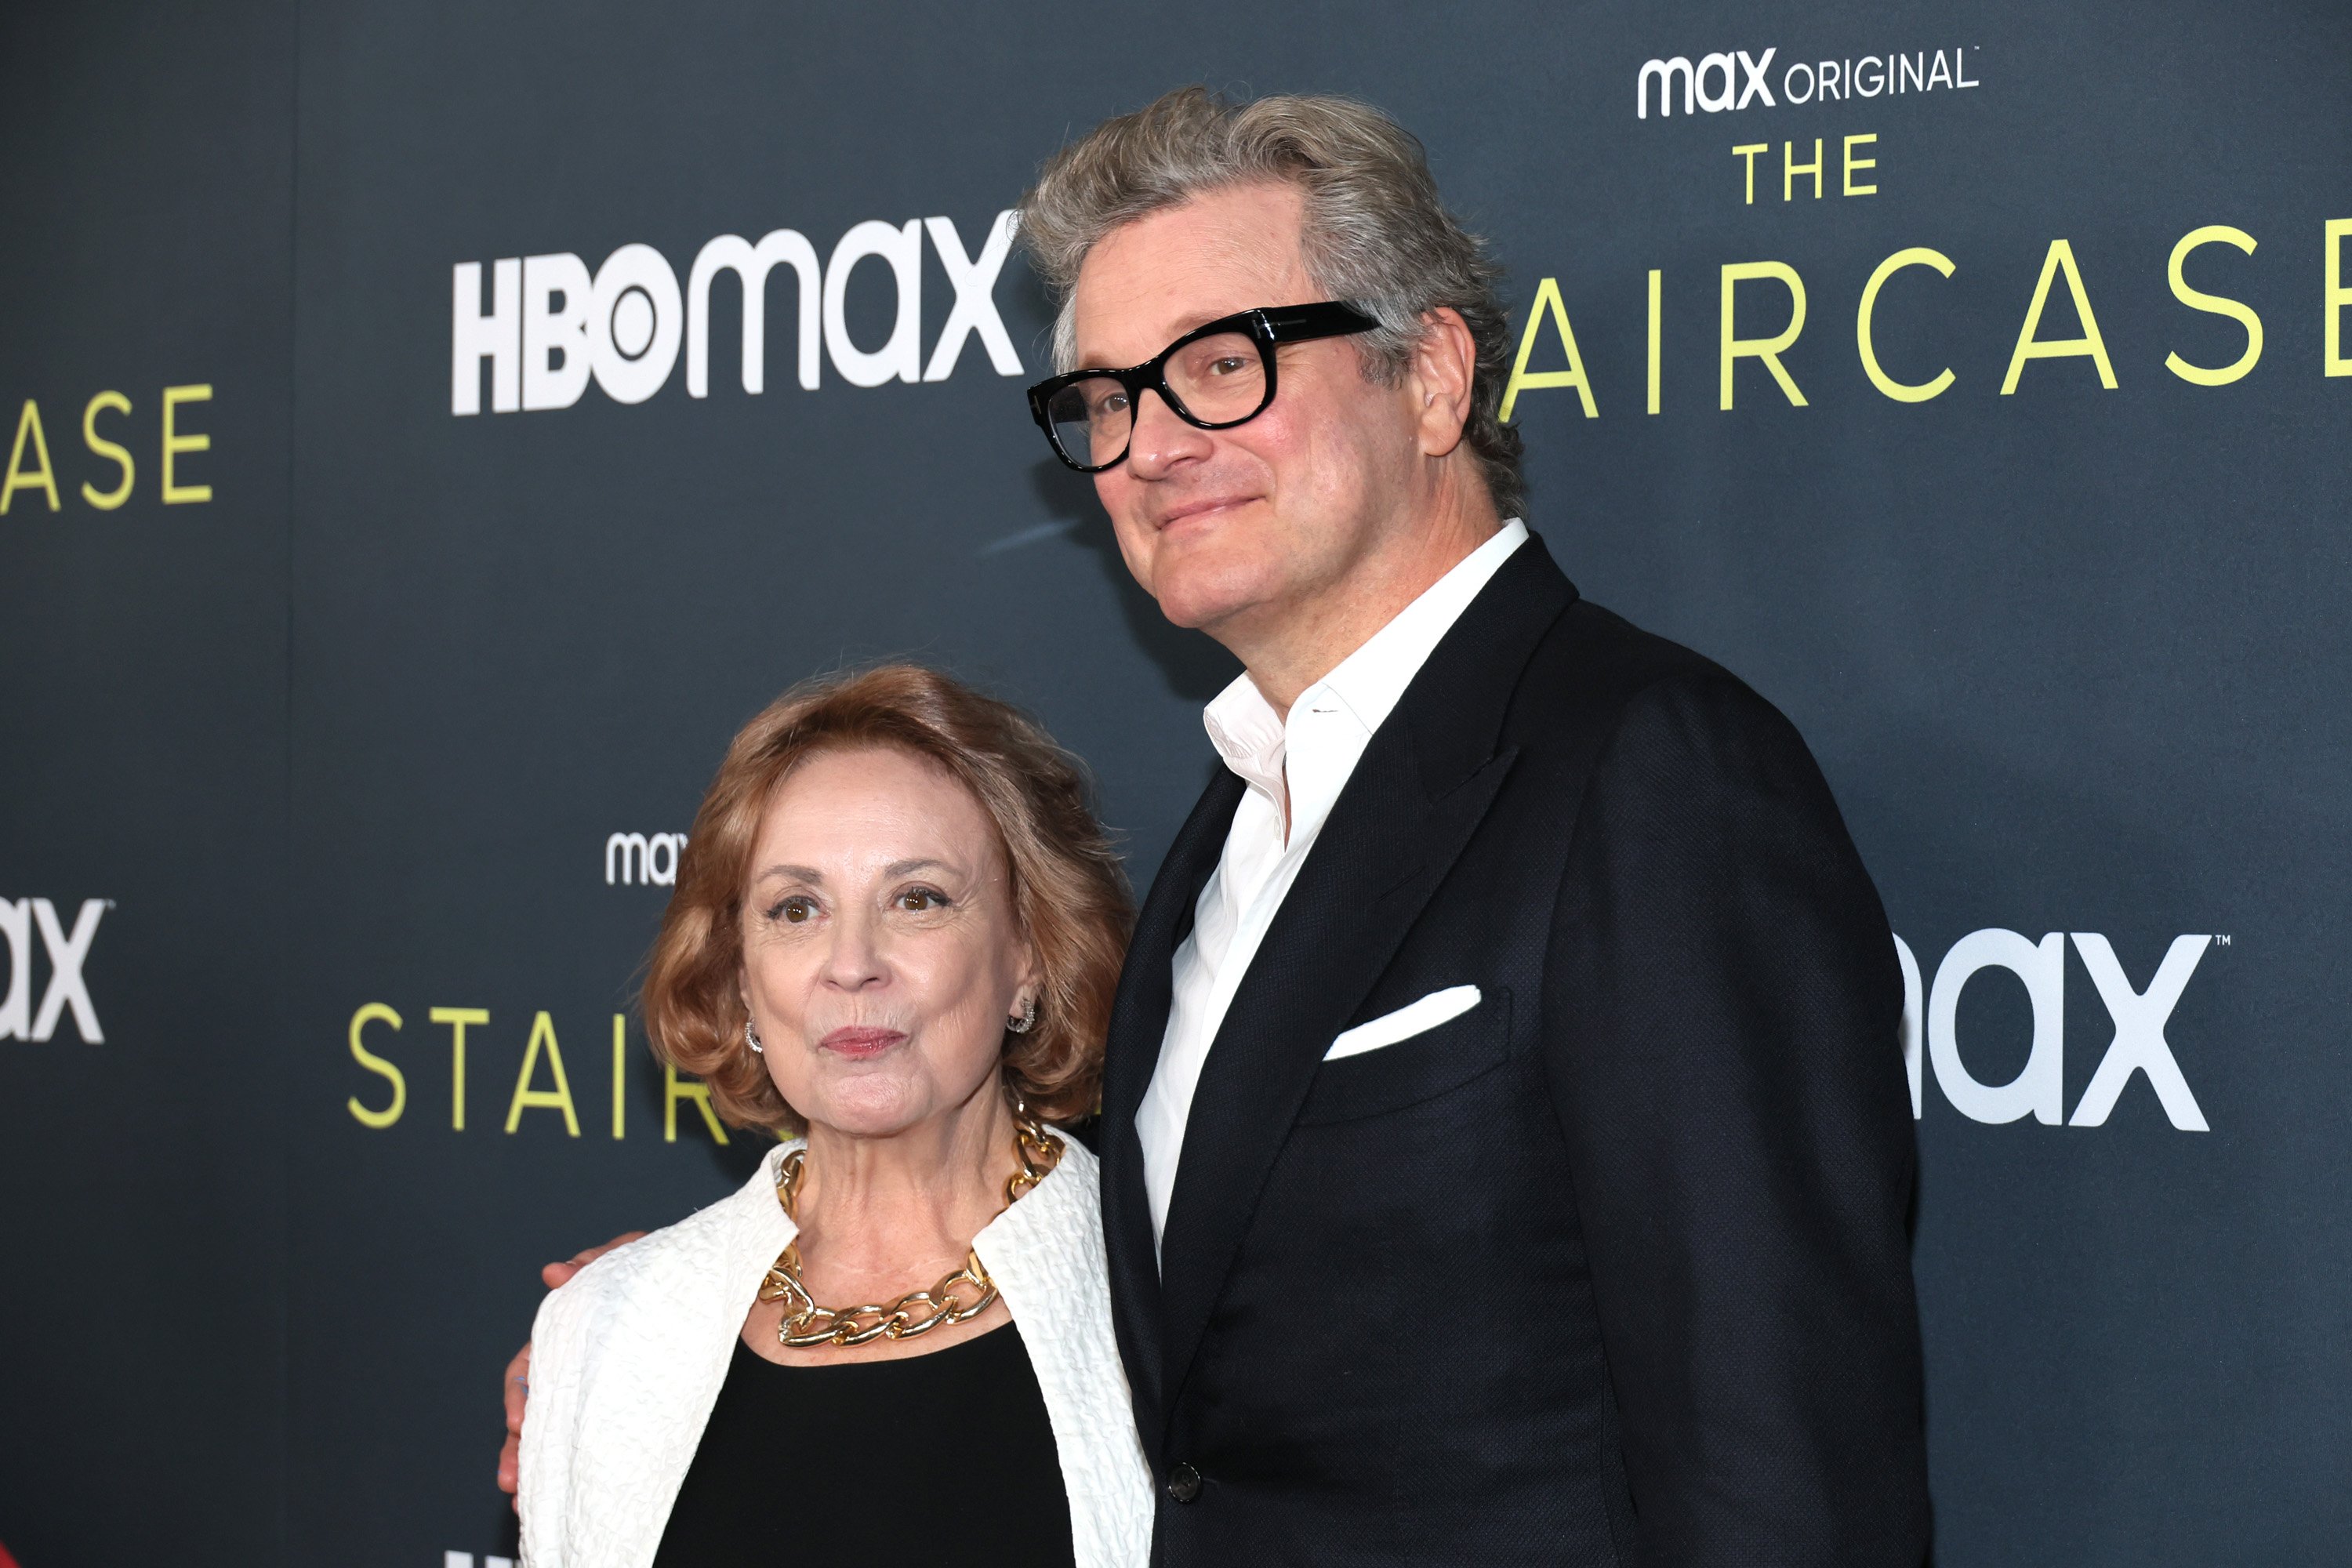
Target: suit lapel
[
  {"x": 1139, "y": 1023},
  {"x": 1420, "y": 791}
]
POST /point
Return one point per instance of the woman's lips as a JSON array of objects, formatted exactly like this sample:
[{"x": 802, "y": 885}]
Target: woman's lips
[{"x": 860, "y": 1043}]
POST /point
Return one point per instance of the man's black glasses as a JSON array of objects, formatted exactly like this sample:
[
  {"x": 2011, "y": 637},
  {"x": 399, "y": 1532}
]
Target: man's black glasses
[{"x": 1213, "y": 377}]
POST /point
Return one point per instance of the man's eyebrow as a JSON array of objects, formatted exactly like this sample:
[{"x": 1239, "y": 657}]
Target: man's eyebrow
[{"x": 1187, "y": 324}]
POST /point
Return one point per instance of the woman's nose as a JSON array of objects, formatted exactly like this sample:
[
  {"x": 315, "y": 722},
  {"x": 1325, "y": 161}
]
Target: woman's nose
[{"x": 854, "y": 960}]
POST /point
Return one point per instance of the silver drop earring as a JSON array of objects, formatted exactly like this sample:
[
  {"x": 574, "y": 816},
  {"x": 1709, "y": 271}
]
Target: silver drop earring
[
  {"x": 1028, "y": 1020},
  {"x": 751, "y": 1038}
]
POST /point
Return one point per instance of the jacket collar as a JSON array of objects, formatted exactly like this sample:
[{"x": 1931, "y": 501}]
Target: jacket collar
[
  {"x": 1272, "y": 755},
  {"x": 1138, "y": 1022}
]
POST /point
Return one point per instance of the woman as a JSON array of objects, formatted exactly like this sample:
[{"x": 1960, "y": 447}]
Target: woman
[{"x": 894, "y": 940}]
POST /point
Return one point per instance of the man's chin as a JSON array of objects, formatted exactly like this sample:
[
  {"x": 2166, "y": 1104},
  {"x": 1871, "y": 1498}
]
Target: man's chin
[
  {"x": 1205, "y": 590},
  {"x": 1198, "y": 607}
]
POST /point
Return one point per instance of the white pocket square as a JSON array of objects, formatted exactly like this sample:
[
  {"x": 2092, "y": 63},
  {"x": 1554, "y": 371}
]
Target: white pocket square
[{"x": 1419, "y": 1017}]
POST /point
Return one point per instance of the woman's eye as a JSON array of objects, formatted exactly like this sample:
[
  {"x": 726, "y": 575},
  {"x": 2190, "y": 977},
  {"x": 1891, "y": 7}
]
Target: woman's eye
[
  {"x": 920, "y": 900},
  {"x": 1231, "y": 365},
  {"x": 793, "y": 912}
]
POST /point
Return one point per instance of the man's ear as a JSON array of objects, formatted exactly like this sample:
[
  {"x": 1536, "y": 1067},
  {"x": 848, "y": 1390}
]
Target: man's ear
[{"x": 1444, "y": 366}]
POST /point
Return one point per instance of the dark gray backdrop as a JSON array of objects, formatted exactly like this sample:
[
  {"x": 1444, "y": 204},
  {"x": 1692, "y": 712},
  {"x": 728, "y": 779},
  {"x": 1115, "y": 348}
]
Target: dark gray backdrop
[{"x": 357, "y": 730}]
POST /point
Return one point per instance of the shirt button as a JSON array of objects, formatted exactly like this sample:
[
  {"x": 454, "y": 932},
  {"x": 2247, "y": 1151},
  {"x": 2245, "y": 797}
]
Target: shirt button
[{"x": 1183, "y": 1483}]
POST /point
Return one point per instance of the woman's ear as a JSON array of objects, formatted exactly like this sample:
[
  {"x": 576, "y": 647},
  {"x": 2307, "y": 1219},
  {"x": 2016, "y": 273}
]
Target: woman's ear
[{"x": 1028, "y": 977}]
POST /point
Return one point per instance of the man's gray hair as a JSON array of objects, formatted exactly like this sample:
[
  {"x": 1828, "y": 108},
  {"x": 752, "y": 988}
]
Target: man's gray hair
[{"x": 1376, "y": 233}]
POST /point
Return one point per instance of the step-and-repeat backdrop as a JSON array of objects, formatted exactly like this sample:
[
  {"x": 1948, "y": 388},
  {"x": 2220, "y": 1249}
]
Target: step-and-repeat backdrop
[{"x": 432, "y": 428}]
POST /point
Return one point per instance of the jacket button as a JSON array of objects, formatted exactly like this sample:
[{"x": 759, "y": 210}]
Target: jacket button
[{"x": 1183, "y": 1483}]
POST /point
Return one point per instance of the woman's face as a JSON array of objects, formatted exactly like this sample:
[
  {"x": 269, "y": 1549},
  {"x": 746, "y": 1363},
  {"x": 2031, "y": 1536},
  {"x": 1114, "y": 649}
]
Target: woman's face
[{"x": 881, "y": 952}]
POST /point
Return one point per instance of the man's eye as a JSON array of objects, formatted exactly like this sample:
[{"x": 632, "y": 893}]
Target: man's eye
[
  {"x": 1228, "y": 364},
  {"x": 1110, "y": 406}
]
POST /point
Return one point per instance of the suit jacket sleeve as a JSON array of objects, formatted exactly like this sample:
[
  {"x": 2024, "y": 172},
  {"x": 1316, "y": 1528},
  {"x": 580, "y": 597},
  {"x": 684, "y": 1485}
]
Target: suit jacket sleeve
[{"x": 1722, "y": 1012}]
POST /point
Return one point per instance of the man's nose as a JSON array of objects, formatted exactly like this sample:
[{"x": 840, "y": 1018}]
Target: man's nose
[{"x": 1161, "y": 441}]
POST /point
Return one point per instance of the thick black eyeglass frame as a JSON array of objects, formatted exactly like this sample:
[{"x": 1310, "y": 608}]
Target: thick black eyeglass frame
[{"x": 1266, "y": 326}]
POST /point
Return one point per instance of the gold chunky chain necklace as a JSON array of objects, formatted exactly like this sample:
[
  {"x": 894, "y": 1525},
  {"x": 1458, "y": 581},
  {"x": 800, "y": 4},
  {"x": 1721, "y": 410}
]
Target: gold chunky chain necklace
[{"x": 918, "y": 1312}]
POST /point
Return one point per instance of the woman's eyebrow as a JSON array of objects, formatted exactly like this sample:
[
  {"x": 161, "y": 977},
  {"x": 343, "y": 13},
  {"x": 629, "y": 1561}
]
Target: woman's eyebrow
[{"x": 896, "y": 868}]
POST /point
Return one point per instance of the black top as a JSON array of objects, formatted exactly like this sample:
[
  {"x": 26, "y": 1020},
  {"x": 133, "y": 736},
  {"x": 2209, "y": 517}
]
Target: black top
[{"x": 947, "y": 1457}]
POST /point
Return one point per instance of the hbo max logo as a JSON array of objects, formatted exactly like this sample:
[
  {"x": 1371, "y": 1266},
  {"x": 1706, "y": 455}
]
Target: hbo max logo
[
  {"x": 20, "y": 920},
  {"x": 546, "y": 326},
  {"x": 2138, "y": 1015}
]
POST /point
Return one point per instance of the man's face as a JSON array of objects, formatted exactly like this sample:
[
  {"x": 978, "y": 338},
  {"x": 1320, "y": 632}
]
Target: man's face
[{"x": 1234, "y": 529}]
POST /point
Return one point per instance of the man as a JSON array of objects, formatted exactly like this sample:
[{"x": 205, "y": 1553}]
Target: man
[{"x": 1505, "y": 1150}]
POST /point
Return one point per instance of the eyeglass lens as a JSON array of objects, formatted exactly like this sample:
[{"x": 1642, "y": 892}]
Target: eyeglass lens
[{"x": 1217, "y": 379}]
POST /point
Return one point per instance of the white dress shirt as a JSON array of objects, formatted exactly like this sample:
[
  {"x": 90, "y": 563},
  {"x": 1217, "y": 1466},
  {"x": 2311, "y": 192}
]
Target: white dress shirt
[{"x": 1314, "y": 751}]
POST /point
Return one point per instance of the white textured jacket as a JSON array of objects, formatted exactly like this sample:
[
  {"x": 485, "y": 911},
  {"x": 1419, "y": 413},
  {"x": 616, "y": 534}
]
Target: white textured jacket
[{"x": 627, "y": 1360}]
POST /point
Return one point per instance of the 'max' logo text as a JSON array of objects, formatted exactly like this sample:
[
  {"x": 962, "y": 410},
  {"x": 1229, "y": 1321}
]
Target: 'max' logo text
[
  {"x": 67, "y": 952},
  {"x": 1737, "y": 90},
  {"x": 2139, "y": 1017},
  {"x": 549, "y": 325},
  {"x": 635, "y": 857}
]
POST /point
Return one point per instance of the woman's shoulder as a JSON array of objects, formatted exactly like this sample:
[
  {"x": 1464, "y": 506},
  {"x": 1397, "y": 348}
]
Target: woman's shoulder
[
  {"x": 1077, "y": 1153},
  {"x": 684, "y": 1259},
  {"x": 1076, "y": 1182},
  {"x": 1061, "y": 1216}
]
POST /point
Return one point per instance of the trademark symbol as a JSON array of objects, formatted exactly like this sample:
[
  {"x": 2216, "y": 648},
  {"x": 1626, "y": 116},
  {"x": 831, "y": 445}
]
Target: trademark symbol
[{"x": 2220, "y": 942}]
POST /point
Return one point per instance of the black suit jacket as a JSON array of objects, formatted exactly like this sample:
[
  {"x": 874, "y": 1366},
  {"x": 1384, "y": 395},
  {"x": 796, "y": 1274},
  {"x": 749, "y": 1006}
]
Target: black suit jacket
[{"x": 1613, "y": 1268}]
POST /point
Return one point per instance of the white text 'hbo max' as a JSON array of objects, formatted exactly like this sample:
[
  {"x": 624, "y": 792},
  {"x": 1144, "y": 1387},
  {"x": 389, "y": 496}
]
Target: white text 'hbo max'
[{"x": 544, "y": 325}]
